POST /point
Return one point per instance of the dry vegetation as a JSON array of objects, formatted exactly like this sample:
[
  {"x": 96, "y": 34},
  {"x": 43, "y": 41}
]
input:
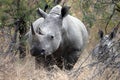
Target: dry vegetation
[{"x": 13, "y": 68}]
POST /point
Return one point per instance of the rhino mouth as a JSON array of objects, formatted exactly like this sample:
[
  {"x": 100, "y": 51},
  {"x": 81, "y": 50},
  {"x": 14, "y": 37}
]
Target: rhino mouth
[{"x": 36, "y": 52}]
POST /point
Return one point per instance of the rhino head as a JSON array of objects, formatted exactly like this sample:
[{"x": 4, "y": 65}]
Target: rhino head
[
  {"x": 105, "y": 45},
  {"x": 49, "y": 37}
]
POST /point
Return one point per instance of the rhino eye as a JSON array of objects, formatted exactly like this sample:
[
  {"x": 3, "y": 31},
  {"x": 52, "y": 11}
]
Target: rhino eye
[{"x": 52, "y": 37}]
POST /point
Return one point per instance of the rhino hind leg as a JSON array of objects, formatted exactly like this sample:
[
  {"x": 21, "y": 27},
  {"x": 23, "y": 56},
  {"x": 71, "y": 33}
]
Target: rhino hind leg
[{"x": 71, "y": 59}]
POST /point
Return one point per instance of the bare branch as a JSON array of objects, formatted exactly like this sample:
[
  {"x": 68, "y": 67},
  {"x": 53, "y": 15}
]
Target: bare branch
[{"x": 110, "y": 19}]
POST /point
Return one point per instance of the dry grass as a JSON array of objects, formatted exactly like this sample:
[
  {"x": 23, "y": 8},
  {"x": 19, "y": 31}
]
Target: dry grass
[
  {"x": 13, "y": 68},
  {"x": 17, "y": 69}
]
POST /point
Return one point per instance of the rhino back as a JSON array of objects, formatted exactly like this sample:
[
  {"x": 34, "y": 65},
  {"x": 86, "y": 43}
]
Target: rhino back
[{"x": 75, "y": 32}]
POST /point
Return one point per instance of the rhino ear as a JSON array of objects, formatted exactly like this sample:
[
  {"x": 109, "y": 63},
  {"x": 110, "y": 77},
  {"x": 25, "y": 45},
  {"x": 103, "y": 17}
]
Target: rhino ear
[
  {"x": 42, "y": 13},
  {"x": 112, "y": 35},
  {"x": 101, "y": 34},
  {"x": 32, "y": 29},
  {"x": 40, "y": 31},
  {"x": 64, "y": 11}
]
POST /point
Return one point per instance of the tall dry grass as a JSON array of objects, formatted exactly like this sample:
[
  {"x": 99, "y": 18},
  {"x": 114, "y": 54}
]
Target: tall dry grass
[{"x": 13, "y": 68}]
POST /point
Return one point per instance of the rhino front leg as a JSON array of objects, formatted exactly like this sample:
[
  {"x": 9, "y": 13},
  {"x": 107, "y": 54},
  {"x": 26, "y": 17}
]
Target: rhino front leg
[
  {"x": 47, "y": 62},
  {"x": 71, "y": 58}
]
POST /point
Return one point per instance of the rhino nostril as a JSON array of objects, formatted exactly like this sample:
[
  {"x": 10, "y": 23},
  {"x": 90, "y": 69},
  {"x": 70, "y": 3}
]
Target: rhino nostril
[{"x": 42, "y": 51}]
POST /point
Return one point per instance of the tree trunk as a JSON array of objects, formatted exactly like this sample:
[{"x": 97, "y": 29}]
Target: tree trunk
[{"x": 21, "y": 24}]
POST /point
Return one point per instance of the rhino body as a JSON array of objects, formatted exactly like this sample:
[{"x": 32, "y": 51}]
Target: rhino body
[{"x": 58, "y": 38}]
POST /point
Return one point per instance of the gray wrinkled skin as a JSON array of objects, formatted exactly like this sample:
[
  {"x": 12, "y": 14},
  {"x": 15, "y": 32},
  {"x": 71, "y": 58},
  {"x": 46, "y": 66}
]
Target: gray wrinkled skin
[
  {"x": 107, "y": 50},
  {"x": 63, "y": 38}
]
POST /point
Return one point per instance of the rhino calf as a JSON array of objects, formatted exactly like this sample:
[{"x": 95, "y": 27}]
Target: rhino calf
[
  {"x": 107, "y": 50},
  {"x": 57, "y": 37}
]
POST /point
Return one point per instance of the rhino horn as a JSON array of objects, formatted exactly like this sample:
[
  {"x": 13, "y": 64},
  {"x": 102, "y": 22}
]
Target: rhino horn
[
  {"x": 42, "y": 13},
  {"x": 32, "y": 29},
  {"x": 40, "y": 31}
]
